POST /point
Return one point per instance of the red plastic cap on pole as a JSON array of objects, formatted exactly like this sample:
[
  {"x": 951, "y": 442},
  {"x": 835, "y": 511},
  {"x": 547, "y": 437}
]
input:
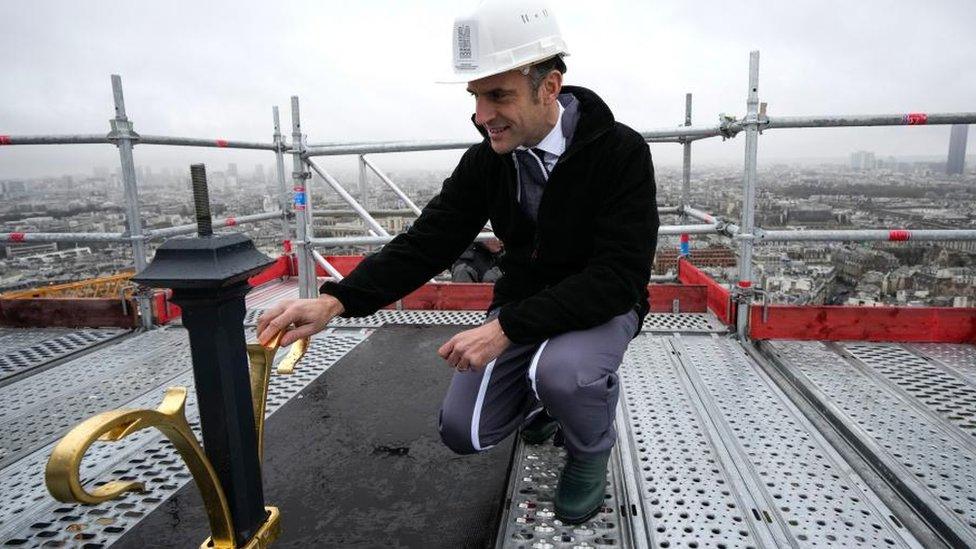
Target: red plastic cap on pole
[
  {"x": 231, "y": 221},
  {"x": 916, "y": 118},
  {"x": 899, "y": 235},
  {"x": 17, "y": 237},
  {"x": 4, "y": 139},
  {"x": 221, "y": 142}
]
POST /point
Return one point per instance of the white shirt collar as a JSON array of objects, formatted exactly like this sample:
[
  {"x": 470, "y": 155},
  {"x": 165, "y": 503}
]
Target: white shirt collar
[{"x": 554, "y": 142}]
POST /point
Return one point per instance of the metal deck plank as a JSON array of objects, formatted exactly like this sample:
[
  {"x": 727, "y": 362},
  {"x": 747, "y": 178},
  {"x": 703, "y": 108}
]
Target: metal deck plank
[
  {"x": 23, "y": 350},
  {"x": 959, "y": 358},
  {"x": 919, "y": 457},
  {"x": 935, "y": 391},
  {"x": 388, "y": 316},
  {"x": 687, "y": 494},
  {"x": 29, "y": 517},
  {"x": 807, "y": 488},
  {"x": 530, "y": 521},
  {"x": 44, "y": 406},
  {"x": 683, "y": 322}
]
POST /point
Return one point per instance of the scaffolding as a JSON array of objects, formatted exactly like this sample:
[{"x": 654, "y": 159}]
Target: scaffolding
[{"x": 296, "y": 212}]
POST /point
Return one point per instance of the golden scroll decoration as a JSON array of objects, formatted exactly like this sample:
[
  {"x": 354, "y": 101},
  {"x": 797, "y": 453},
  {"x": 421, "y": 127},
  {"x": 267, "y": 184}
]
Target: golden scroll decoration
[{"x": 63, "y": 477}]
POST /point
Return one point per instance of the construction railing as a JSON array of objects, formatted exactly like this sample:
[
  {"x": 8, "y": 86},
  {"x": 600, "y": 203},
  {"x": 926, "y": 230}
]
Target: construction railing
[{"x": 296, "y": 208}]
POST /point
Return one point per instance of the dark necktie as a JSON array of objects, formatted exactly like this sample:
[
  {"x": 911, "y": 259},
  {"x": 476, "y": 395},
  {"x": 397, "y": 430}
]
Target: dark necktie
[{"x": 533, "y": 175}]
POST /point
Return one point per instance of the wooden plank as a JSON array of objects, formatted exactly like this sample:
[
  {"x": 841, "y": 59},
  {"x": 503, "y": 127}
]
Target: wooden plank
[
  {"x": 67, "y": 312},
  {"x": 840, "y": 323}
]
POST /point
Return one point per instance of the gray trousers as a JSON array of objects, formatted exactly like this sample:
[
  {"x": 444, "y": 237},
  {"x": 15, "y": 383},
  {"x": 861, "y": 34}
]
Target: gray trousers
[{"x": 572, "y": 375}]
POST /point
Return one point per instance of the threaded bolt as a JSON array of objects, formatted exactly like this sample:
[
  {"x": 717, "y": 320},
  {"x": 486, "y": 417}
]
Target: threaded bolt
[{"x": 201, "y": 199}]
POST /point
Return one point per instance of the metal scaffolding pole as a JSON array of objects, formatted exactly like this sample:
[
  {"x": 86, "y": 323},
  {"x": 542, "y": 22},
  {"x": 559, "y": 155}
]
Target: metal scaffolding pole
[
  {"x": 751, "y": 124},
  {"x": 123, "y": 136},
  {"x": 684, "y": 245},
  {"x": 686, "y": 164},
  {"x": 389, "y": 183},
  {"x": 197, "y": 142},
  {"x": 220, "y": 223},
  {"x": 17, "y": 237},
  {"x": 865, "y": 120},
  {"x": 389, "y": 147},
  {"x": 863, "y": 235},
  {"x": 340, "y": 241},
  {"x": 698, "y": 214},
  {"x": 279, "y": 144},
  {"x": 329, "y": 268},
  {"x": 363, "y": 182},
  {"x": 380, "y": 240},
  {"x": 307, "y": 283},
  {"x": 371, "y": 223},
  {"x": 53, "y": 139}
]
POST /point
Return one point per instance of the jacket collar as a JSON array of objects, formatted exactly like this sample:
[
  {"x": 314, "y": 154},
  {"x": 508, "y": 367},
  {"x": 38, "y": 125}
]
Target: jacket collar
[{"x": 595, "y": 118}]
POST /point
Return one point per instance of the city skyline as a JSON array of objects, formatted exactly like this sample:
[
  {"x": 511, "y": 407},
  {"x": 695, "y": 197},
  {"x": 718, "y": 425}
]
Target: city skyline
[{"x": 218, "y": 74}]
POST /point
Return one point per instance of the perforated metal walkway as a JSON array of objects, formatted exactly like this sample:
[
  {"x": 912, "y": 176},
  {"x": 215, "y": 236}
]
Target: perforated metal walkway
[
  {"x": 909, "y": 409},
  {"x": 133, "y": 374},
  {"x": 716, "y": 447},
  {"x": 711, "y": 453}
]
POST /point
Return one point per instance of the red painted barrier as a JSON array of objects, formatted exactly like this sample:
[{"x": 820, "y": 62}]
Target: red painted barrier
[
  {"x": 279, "y": 269},
  {"x": 719, "y": 297},
  {"x": 165, "y": 310},
  {"x": 449, "y": 296},
  {"x": 691, "y": 298},
  {"x": 343, "y": 263},
  {"x": 836, "y": 323}
]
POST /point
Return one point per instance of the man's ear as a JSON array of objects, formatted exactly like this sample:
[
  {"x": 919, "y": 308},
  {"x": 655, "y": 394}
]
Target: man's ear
[{"x": 551, "y": 86}]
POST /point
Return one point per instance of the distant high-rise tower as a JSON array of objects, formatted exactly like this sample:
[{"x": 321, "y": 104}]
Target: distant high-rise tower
[
  {"x": 957, "y": 149},
  {"x": 862, "y": 160}
]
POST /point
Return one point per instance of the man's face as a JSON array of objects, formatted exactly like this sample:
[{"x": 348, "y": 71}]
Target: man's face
[{"x": 510, "y": 112}]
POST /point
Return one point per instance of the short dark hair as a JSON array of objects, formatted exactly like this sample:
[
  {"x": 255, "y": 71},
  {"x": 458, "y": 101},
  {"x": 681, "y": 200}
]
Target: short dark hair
[{"x": 539, "y": 71}]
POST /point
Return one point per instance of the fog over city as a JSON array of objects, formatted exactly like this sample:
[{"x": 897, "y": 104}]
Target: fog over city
[{"x": 366, "y": 71}]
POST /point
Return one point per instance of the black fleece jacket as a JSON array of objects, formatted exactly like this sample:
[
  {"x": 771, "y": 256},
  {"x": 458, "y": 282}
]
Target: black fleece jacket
[{"x": 587, "y": 260}]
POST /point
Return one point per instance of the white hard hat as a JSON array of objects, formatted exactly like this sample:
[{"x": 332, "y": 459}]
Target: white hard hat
[{"x": 501, "y": 35}]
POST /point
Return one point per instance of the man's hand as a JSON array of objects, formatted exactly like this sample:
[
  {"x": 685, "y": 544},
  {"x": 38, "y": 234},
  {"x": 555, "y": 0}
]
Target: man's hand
[
  {"x": 309, "y": 316},
  {"x": 472, "y": 349}
]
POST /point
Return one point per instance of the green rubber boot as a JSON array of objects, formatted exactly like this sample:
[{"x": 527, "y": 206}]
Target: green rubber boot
[
  {"x": 539, "y": 429},
  {"x": 582, "y": 487}
]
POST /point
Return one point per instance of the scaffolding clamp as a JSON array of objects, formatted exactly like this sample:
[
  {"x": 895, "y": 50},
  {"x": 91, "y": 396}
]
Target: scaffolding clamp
[
  {"x": 727, "y": 126},
  {"x": 122, "y": 129}
]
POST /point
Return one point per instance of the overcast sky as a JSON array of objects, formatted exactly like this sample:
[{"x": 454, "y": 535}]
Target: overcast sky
[{"x": 365, "y": 70}]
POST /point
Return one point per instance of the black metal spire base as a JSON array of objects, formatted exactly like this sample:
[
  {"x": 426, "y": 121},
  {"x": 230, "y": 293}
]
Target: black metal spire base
[{"x": 208, "y": 275}]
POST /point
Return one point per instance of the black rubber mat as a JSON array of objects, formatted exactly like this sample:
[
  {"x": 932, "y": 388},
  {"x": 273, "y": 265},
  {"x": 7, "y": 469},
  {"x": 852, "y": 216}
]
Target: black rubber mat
[{"x": 355, "y": 460}]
